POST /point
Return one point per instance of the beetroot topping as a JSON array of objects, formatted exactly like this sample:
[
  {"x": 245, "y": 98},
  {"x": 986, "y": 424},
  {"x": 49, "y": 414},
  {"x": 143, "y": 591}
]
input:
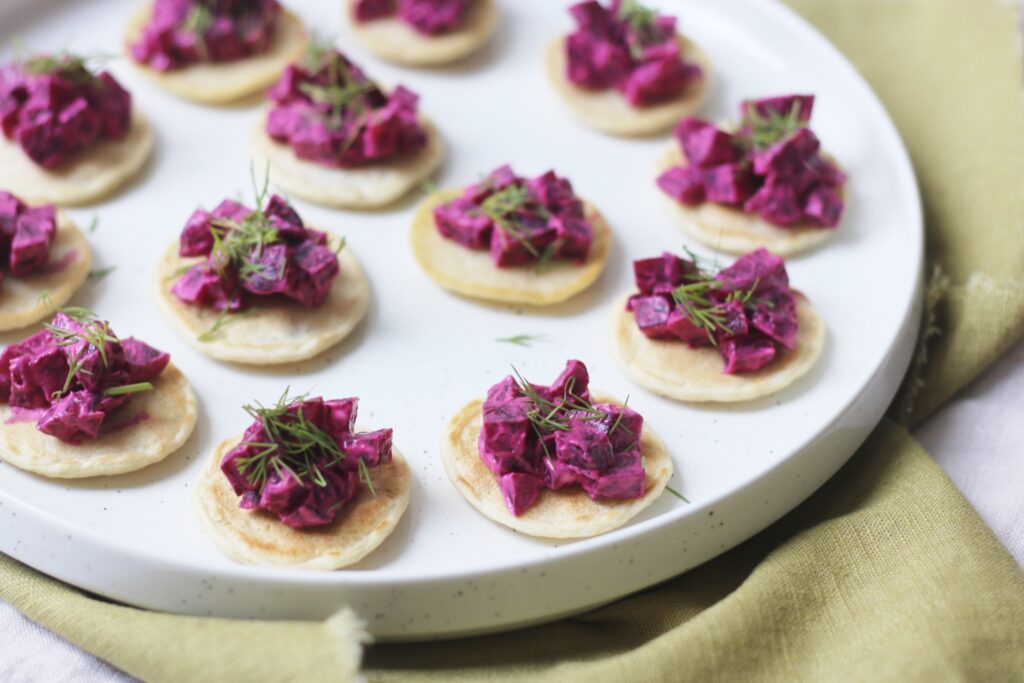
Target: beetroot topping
[
  {"x": 26, "y": 235},
  {"x": 77, "y": 373},
  {"x": 547, "y": 437},
  {"x": 746, "y": 310},
  {"x": 628, "y": 47},
  {"x": 771, "y": 166},
  {"x": 429, "y": 17},
  {"x": 520, "y": 220},
  {"x": 302, "y": 460},
  {"x": 329, "y": 112},
  {"x": 54, "y": 105},
  {"x": 183, "y": 32},
  {"x": 251, "y": 254}
]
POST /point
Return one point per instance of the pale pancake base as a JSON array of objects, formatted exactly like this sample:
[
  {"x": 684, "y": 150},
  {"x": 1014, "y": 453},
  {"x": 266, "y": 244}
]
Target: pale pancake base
[
  {"x": 471, "y": 272},
  {"x": 734, "y": 231},
  {"x": 87, "y": 176},
  {"x": 20, "y": 297},
  {"x": 610, "y": 112},
  {"x": 395, "y": 41},
  {"x": 170, "y": 410},
  {"x": 273, "y": 331},
  {"x": 674, "y": 370},
  {"x": 366, "y": 187},
  {"x": 259, "y": 537},
  {"x": 225, "y": 82},
  {"x": 566, "y": 513}
]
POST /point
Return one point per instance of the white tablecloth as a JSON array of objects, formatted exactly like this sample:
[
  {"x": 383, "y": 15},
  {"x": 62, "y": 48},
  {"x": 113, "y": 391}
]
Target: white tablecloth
[{"x": 976, "y": 439}]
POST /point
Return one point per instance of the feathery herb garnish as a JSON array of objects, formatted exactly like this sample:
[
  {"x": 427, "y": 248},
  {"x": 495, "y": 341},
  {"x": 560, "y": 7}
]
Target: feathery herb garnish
[
  {"x": 295, "y": 445},
  {"x": 224, "y": 318},
  {"x": 95, "y": 333},
  {"x": 521, "y": 339},
  {"x": 766, "y": 130},
  {"x": 694, "y": 299},
  {"x": 547, "y": 416},
  {"x": 501, "y": 207},
  {"x": 342, "y": 92},
  {"x": 124, "y": 389},
  {"x": 67, "y": 65},
  {"x": 677, "y": 494},
  {"x": 238, "y": 243},
  {"x": 93, "y": 224},
  {"x": 100, "y": 273},
  {"x": 199, "y": 20}
]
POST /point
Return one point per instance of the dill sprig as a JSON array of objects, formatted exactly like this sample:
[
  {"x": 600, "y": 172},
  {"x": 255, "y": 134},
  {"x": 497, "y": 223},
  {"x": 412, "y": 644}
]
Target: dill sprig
[
  {"x": 74, "y": 67},
  {"x": 94, "y": 332},
  {"x": 342, "y": 93},
  {"x": 223, "y": 319},
  {"x": 764, "y": 130},
  {"x": 641, "y": 21},
  {"x": 550, "y": 416},
  {"x": 100, "y": 273},
  {"x": 521, "y": 339},
  {"x": 295, "y": 446},
  {"x": 501, "y": 207},
  {"x": 677, "y": 494}
]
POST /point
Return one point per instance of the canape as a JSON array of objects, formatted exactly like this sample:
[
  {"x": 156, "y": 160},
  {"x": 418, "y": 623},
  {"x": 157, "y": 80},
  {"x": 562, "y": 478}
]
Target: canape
[
  {"x": 765, "y": 184},
  {"x": 512, "y": 239},
  {"x": 554, "y": 461}
]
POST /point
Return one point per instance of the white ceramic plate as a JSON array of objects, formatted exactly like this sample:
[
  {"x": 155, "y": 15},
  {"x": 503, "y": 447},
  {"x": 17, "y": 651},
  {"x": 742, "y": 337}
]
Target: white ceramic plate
[{"x": 422, "y": 353}]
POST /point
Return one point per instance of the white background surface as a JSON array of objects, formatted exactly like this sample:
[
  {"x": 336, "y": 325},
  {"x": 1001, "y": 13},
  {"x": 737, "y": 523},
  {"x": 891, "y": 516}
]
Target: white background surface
[{"x": 976, "y": 439}]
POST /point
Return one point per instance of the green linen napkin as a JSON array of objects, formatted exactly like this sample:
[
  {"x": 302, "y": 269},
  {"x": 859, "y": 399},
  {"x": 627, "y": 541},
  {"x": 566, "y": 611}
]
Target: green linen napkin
[{"x": 886, "y": 573}]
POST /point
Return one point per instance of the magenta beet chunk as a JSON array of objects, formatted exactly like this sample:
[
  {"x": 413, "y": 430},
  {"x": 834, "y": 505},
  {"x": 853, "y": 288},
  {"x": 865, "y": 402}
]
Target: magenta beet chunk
[
  {"x": 269, "y": 272},
  {"x": 683, "y": 183},
  {"x": 196, "y": 239},
  {"x": 593, "y": 63},
  {"x": 727, "y": 183},
  {"x": 776, "y": 203},
  {"x": 681, "y": 327},
  {"x": 735, "y": 322},
  {"x": 520, "y": 490},
  {"x": 367, "y": 10},
  {"x": 704, "y": 144},
  {"x": 231, "y": 210},
  {"x": 80, "y": 123},
  {"x": 432, "y": 17},
  {"x": 652, "y": 315},
  {"x": 509, "y": 249},
  {"x": 36, "y": 376},
  {"x": 584, "y": 445},
  {"x": 142, "y": 362},
  {"x": 202, "y": 285},
  {"x": 661, "y": 274},
  {"x": 776, "y": 317},
  {"x": 574, "y": 236},
  {"x": 759, "y": 267},
  {"x": 318, "y": 266},
  {"x": 462, "y": 221},
  {"x": 505, "y": 390},
  {"x": 788, "y": 157},
  {"x": 503, "y": 437},
  {"x": 657, "y": 80},
  {"x": 10, "y": 208},
  {"x": 780, "y": 106},
  {"x": 623, "y": 425},
  {"x": 33, "y": 237},
  {"x": 73, "y": 418},
  {"x": 115, "y": 106},
  {"x": 745, "y": 355},
  {"x": 619, "y": 483},
  {"x": 560, "y": 474},
  {"x": 373, "y": 448},
  {"x": 824, "y": 207},
  {"x": 287, "y": 222},
  {"x": 547, "y": 189},
  {"x": 340, "y": 417},
  {"x": 574, "y": 378}
]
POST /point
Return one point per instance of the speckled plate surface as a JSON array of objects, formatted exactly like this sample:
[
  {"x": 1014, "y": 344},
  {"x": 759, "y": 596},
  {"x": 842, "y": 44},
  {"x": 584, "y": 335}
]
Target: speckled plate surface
[{"x": 422, "y": 352}]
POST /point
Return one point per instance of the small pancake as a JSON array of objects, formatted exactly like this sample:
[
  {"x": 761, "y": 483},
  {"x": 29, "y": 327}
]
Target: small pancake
[
  {"x": 259, "y": 537},
  {"x": 565, "y": 513},
  {"x": 608, "y": 110},
  {"x": 395, "y": 41},
  {"x": 365, "y": 187},
  {"x": 225, "y": 82},
  {"x": 674, "y": 370},
  {"x": 272, "y": 331},
  {"x": 153, "y": 425},
  {"x": 733, "y": 231},
  {"x": 471, "y": 272},
  {"x": 87, "y": 176},
  {"x": 21, "y": 302}
]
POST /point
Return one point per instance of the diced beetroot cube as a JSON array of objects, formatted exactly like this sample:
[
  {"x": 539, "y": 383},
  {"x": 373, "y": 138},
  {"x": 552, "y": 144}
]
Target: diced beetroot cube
[
  {"x": 704, "y": 144},
  {"x": 759, "y": 267},
  {"x": 231, "y": 210},
  {"x": 462, "y": 221},
  {"x": 503, "y": 438},
  {"x": 520, "y": 490},
  {"x": 196, "y": 239},
  {"x": 727, "y": 183},
  {"x": 584, "y": 446},
  {"x": 789, "y": 156},
  {"x": 680, "y": 326},
  {"x": 775, "y": 316},
  {"x": 824, "y": 207},
  {"x": 373, "y": 448},
  {"x": 73, "y": 418},
  {"x": 269, "y": 272},
  {"x": 34, "y": 233},
  {"x": 661, "y": 274},
  {"x": 652, "y": 315},
  {"x": 142, "y": 362},
  {"x": 573, "y": 235},
  {"x": 685, "y": 184},
  {"x": 619, "y": 483},
  {"x": 780, "y": 106},
  {"x": 203, "y": 285},
  {"x": 745, "y": 355},
  {"x": 658, "y": 80}
]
